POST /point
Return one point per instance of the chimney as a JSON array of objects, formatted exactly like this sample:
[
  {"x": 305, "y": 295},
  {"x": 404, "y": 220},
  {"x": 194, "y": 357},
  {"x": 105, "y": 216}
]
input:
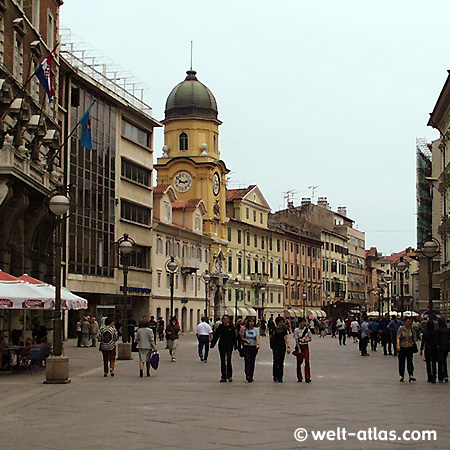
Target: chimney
[
  {"x": 290, "y": 205},
  {"x": 342, "y": 210},
  {"x": 323, "y": 202},
  {"x": 305, "y": 201}
]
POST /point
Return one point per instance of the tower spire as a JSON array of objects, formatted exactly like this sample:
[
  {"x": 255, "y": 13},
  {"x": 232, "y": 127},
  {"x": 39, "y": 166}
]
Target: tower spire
[{"x": 192, "y": 51}]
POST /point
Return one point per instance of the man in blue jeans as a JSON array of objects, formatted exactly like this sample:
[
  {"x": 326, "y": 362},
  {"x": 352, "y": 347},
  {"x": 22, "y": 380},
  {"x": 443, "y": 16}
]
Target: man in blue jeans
[
  {"x": 204, "y": 333},
  {"x": 393, "y": 327}
]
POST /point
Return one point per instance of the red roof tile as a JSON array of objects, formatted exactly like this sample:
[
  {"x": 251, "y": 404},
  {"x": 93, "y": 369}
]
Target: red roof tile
[
  {"x": 238, "y": 194},
  {"x": 193, "y": 203},
  {"x": 161, "y": 188}
]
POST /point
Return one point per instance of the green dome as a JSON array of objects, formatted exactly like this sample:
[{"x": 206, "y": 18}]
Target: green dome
[{"x": 190, "y": 98}]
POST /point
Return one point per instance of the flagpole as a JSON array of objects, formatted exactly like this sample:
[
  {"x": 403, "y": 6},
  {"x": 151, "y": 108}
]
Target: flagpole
[
  {"x": 49, "y": 163},
  {"x": 16, "y": 96}
]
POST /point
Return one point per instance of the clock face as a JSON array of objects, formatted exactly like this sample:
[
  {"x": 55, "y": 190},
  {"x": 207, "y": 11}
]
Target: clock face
[
  {"x": 182, "y": 181},
  {"x": 216, "y": 184}
]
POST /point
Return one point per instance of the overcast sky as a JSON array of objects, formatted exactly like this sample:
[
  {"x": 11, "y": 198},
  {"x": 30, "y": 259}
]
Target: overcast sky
[{"x": 329, "y": 94}]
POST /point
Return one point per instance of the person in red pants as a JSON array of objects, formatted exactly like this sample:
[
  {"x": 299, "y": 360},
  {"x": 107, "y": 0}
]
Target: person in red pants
[{"x": 302, "y": 336}]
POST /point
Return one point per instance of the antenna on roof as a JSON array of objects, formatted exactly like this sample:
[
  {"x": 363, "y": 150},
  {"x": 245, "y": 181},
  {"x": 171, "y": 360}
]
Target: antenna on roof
[
  {"x": 313, "y": 191},
  {"x": 192, "y": 51}
]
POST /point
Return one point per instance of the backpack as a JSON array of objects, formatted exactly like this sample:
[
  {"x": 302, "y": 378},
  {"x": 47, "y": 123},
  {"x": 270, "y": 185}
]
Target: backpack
[{"x": 107, "y": 336}]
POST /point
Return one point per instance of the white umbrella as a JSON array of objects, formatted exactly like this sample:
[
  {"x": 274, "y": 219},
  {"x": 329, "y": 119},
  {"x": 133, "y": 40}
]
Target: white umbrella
[
  {"x": 21, "y": 295},
  {"x": 69, "y": 300}
]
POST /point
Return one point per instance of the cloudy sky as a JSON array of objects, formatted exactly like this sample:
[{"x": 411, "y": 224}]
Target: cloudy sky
[{"x": 328, "y": 94}]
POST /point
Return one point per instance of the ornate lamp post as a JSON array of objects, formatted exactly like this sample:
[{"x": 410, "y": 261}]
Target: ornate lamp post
[
  {"x": 236, "y": 296},
  {"x": 381, "y": 286},
  {"x": 206, "y": 278},
  {"x": 401, "y": 266},
  {"x": 263, "y": 291},
  {"x": 172, "y": 266},
  {"x": 57, "y": 367},
  {"x": 387, "y": 278},
  {"x": 124, "y": 247},
  {"x": 430, "y": 249},
  {"x": 304, "y": 297}
]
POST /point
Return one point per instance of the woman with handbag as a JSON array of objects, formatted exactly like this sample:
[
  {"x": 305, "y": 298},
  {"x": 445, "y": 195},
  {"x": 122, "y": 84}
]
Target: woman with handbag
[
  {"x": 250, "y": 346},
  {"x": 146, "y": 344},
  {"x": 430, "y": 344},
  {"x": 406, "y": 346},
  {"x": 279, "y": 343},
  {"x": 302, "y": 336}
]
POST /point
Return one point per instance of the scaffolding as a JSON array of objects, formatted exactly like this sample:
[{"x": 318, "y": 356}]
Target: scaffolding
[
  {"x": 102, "y": 69},
  {"x": 424, "y": 191}
]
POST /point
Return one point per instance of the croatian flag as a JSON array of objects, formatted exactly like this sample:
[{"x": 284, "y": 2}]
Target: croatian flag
[
  {"x": 44, "y": 74},
  {"x": 86, "y": 131}
]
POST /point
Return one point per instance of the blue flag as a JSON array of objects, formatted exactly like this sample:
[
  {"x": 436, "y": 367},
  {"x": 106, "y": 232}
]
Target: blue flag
[
  {"x": 45, "y": 76},
  {"x": 86, "y": 132}
]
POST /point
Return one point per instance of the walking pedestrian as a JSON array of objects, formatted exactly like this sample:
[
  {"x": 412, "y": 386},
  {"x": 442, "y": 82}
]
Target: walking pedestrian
[
  {"x": 79, "y": 333},
  {"x": 373, "y": 328},
  {"x": 107, "y": 338},
  {"x": 406, "y": 346},
  {"x": 430, "y": 344},
  {"x": 365, "y": 335},
  {"x": 131, "y": 324},
  {"x": 160, "y": 329},
  {"x": 225, "y": 334},
  {"x": 153, "y": 325},
  {"x": 93, "y": 331},
  {"x": 385, "y": 335},
  {"x": 354, "y": 326},
  {"x": 279, "y": 343},
  {"x": 322, "y": 328},
  {"x": 85, "y": 328},
  {"x": 146, "y": 344},
  {"x": 340, "y": 325},
  {"x": 204, "y": 333},
  {"x": 333, "y": 324},
  {"x": 263, "y": 326},
  {"x": 250, "y": 346},
  {"x": 172, "y": 334},
  {"x": 302, "y": 336},
  {"x": 270, "y": 325},
  {"x": 393, "y": 327},
  {"x": 443, "y": 341}
]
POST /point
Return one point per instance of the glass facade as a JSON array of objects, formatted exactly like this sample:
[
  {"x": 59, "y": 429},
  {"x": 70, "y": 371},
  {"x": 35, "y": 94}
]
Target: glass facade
[{"x": 92, "y": 175}]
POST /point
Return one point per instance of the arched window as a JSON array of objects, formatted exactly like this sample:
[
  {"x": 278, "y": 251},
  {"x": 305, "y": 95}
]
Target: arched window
[{"x": 184, "y": 141}]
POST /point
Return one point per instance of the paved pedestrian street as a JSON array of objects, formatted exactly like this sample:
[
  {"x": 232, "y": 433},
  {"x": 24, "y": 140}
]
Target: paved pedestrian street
[{"x": 183, "y": 405}]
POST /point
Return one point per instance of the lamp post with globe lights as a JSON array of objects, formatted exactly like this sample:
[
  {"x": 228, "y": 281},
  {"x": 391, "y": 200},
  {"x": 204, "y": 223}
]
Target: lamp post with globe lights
[
  {"x": 125, "y": 246},
  {"x": 172, "y": 266},
  {"x": 430, "y": 249},
  {"x": 304, "y": 297},
  {"x": 57, "y": 366},
  {"x": 206, "y": 278},
  {"x": 401, "y": 266},
  {"x": 387, "y": 278},
  {"x": 236, "y": 296}
]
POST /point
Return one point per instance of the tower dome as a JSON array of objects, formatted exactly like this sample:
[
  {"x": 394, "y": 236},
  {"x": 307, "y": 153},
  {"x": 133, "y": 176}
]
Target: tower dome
[{"x": 190, "y": 98}]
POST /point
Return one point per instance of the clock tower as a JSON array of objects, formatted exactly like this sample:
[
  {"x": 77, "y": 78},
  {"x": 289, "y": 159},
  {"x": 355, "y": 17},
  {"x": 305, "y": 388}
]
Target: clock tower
[{"x": 191, "y": 158}]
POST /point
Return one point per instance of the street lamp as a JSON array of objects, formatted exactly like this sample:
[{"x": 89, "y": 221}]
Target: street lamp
[
  {"x": 57, "y": 368},
  {"x": 381, "y": 286},
  {"x": 401, "y": 266},
  {"x": 172, "y": 267},
  {"x": 236, "y": 295},
  {"x": 387, "y": 278},
  {"x": 206, "y": 278},
  {"x": 263, "y": 291},
  {"x": 431, "y": 248},
  {"x": 124, "y": 247},
  {"x": 304, "y": 296}
]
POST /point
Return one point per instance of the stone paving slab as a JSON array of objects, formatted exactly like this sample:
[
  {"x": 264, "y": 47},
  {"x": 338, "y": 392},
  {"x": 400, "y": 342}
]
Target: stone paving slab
[{"x": 183, "y": 406}]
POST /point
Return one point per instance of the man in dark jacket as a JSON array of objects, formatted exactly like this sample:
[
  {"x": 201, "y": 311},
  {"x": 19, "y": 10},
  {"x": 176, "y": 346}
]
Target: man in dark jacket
[{"x": 226, "y": 335}]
